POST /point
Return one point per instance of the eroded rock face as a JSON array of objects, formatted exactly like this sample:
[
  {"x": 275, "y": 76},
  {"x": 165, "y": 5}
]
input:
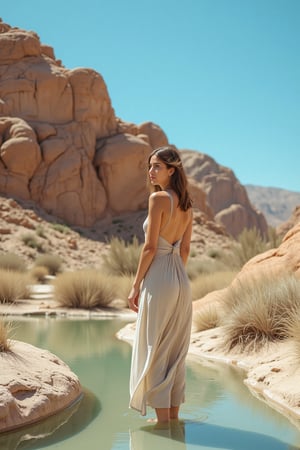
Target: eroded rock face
[
  {"x": 62, "y": 146},
  {"x": 60, "y": 142},
  {"x": 34, "y": 384},
  {"x": 227, "y": 198},
  {"x": 275, "y": 262}
]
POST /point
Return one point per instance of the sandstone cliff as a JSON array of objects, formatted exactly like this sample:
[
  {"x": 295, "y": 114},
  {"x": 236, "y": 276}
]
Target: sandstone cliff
[
  {"x": 62, "y": 146},
  {"x": 227, "y": 198}
]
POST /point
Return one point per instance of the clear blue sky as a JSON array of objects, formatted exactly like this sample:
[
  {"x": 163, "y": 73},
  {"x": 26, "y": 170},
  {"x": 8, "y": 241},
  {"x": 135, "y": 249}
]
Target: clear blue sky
[{"x": 219, "y": 76}]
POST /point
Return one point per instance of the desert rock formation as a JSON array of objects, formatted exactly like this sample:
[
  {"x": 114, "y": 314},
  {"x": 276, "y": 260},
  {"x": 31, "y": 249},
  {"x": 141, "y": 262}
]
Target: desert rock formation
[
  {"x": 35, "y": 384},
  {"x": 226, "y": 197},
  {"x": 62, "y": 147}
]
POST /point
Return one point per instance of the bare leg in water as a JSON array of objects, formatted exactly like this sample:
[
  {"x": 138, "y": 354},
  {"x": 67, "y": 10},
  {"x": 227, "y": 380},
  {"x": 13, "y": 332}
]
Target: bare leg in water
[{"x": 164, "y": 415}]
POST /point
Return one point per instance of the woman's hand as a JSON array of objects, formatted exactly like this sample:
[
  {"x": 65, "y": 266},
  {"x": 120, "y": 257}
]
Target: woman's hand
[{"x": 133, "y": 299}]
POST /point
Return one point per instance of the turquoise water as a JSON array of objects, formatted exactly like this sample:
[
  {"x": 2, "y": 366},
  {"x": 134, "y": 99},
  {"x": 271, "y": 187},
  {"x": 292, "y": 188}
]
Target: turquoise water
[{"x": 219, "y": 412}]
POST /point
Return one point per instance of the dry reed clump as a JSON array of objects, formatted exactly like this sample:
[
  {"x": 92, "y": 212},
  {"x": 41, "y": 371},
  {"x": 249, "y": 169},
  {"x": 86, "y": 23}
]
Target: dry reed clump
[
  {"x": 203, "y": 265},
  {"x": 11, "y": 261},
  {"x": 206, "y": 318},
  {"x": 86, "y": 289},
  {"x": 260, "y": 310},
  {"x": 250, "y": 243},
  {"x": 13, "y": 286},
  {"x": 52, "y": 262},
  {"x": 5, "y": 328},
  {"x": 122, "y": 258},
  {"x": 123, "y": 286},
  {"x": 208, "y": 282},
  {"x": 39, "y": 274}
]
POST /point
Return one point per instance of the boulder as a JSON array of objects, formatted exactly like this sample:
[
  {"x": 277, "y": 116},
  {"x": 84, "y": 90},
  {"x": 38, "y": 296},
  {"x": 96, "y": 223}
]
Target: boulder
[{"x": 34, "y": 384}]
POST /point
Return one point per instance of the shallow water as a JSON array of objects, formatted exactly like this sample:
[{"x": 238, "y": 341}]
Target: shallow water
[{"x": 219, "y": 412}]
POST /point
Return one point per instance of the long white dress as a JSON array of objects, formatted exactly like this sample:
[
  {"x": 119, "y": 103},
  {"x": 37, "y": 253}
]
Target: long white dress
[{"x": 163, "y": 330}]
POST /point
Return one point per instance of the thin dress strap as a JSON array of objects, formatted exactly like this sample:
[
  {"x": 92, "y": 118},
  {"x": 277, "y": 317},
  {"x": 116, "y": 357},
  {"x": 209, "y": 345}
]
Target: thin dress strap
[{"x": 171, "y": 200}]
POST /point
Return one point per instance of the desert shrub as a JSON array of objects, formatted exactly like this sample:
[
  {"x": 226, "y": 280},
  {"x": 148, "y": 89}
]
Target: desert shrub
[
  {"x": 13, "y": 286},
  {"x": 122, "y": 258},
  {"x": 123, "y": 287},
  {"x": 52, "y": 262},
  {"x": 206, "y": 318},
  {"x": 61, "y": 228},
  {"x": 40, "y": 231},
  {"x": 31, "y": 241},
  {"x": 10, "y": 261},
  {"x": 39, "y": 273},
  {"x": 84, "y": 289},
  {"x": 203, "y": 265},
  {"x": 5, "y": 328},
  {"x": 260, "y": 310},
  {"x": 249, "y": 244},
  {"x": 208, "y": 282}
]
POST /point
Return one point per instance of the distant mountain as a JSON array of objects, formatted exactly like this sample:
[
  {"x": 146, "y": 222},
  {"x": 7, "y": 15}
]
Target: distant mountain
[{"x": 276, "y": 204}]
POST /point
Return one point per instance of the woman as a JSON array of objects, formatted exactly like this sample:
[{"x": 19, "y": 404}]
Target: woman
[{"x": 161, "y": 292}]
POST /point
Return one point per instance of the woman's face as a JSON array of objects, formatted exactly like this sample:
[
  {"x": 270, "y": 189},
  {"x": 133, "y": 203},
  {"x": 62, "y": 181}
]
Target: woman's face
[{"x": 159, "y": 173}]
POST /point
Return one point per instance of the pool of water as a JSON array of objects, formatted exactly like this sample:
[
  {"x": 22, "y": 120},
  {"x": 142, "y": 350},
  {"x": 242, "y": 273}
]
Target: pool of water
[{"x": 219, "y": 412}]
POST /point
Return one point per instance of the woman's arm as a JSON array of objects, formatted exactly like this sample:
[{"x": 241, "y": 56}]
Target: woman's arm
[
  {"x": 155, "y": 211},
  {"x": 186, "y": 240}
]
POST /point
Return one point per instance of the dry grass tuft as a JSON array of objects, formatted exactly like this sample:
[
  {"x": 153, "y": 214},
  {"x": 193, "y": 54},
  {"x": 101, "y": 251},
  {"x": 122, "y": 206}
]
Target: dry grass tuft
[
  {"x": 11, "y": 261},
  {"x": 5, "y": 328},
  {"x": 39, "y": 274},
  {"x": 86, "y": 289},
  {"x": 13, "y": 286},
  {"x": 208, "y": 282},
  {"x": 206, "y": 318},
  {"x": 122, "y": 258},
  {"x": 52, "y": 262},
  {"x": 260, "y": 310}
]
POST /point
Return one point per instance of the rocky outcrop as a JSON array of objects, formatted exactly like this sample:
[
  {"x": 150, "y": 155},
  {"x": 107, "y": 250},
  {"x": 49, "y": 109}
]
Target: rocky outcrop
[
  {"x": 62, "y": 147},
  {"x": 34, "y": 384},
  {"x": 276, "y": 262},
  {"x": 61, "y": 144},
  {"x": 290, "y": 223},
  {"x": 226, "y": 197}
]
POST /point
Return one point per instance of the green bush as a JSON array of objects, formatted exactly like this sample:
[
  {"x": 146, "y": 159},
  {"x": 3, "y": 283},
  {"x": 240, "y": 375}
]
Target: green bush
[
  {"x": 61, "y": 228},
  {"x": 10, "y": 261},
  {"x": 86, "y": 289},
  {"x": 52, "y": 262},
  {"x": 31, "y": 241},
  {"x": 122, "y": 258}
]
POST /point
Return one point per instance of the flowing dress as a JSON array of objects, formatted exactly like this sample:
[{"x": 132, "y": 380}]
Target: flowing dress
[{"x": 163, "y": 330}]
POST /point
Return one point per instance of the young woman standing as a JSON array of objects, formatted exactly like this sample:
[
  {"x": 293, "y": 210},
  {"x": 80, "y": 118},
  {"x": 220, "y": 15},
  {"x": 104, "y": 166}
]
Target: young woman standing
[{"x": 161, "y": 292}]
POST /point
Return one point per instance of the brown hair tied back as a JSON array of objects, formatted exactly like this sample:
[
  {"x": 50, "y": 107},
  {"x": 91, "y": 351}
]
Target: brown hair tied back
[{"x": 178, "y": 181}]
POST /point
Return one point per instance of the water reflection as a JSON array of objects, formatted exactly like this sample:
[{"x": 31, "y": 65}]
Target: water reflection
[
  {"x": 54, "y": 429},
  {"x": 219, "y": 411},
  {"x": 202, "y": 435},
  {"x": 81, "y": 338},
  {"x": 229, "y": 380}
]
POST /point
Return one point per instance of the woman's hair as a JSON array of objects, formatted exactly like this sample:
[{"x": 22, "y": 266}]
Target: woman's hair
[{"x": 178, "y": 180}]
